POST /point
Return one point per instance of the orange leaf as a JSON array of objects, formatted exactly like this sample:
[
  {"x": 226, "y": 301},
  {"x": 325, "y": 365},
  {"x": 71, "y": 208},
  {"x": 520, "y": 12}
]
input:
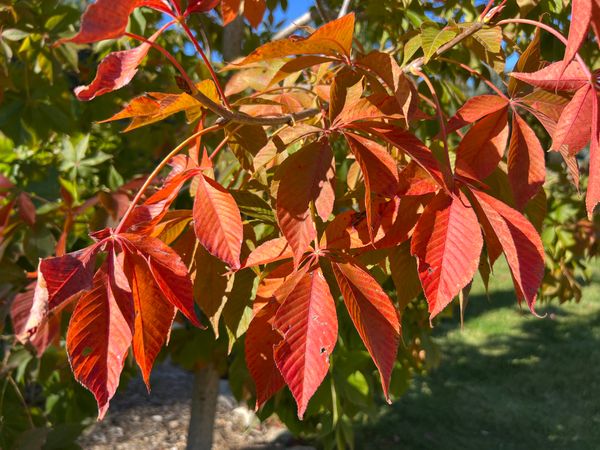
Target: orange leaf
[
  {"x": 217, "y": 222},
  {"x": 332, "y": 39},
  {"x": 254, "y": 10}
]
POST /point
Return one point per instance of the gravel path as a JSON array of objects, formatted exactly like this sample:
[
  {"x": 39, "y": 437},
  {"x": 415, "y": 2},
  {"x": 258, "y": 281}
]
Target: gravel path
[{"x": 159, "y": 421}]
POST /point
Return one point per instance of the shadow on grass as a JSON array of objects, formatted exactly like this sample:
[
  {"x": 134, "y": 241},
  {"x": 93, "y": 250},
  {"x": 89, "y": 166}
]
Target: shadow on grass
[{"x": 508, "y": 381}]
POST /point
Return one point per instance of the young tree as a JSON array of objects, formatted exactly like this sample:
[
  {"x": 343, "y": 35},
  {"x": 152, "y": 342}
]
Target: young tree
[{"x": 334, "y": 167}]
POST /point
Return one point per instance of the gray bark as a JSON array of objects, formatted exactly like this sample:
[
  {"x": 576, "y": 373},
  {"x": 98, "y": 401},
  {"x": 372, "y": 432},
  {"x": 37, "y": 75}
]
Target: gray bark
[
  {"x": 233, "y": 35},
  {"x": 204, "y": 407}
]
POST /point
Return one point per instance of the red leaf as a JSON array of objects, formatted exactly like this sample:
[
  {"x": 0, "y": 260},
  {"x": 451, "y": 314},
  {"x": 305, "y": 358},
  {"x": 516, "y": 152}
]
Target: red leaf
[
  {"x": 308, "y": 323},
  {"x": 552, "y": 77},
  {"x": 592, "y": 197},
  {"x": 475, "y": 109},
  {"x": 199, "y": 6},
  {"x": 115, "y": 71},
  {"x": 483, "y": 146},
  {"x": 377, "y": 165},
  {"x": 373, "y": 315},
  {"x": 169, "y": 272},
  {"x": 217, "y": 222},
  {"x": 254, "y": 10},
  {"x": 447, "y": 242},
  {"x": 306, "y": 176},
  {"x": 229, "y": 10},
  {"x": 153, "y": 313},
  {"x": 379, "y": 170},
  {"x": 26, "y": 208},
  {"x": 268, "y": 252},
  {"x": 520, "y": 243},
  {"x": 103, "y": 19},
  {"x": 408, "y": 143},
  {"x": 59, "y": 279},
  {"x": 100, "y": 333},
  {"x": 574, "y": 125},
  {"x": 581, "y": 15},
  {"x": 260, "y": 340},
  {"x": 20, "y": 311},
  {"x": 526, "y": 164}
]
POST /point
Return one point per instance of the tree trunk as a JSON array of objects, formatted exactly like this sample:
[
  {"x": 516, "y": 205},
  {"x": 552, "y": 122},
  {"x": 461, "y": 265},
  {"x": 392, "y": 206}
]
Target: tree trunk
[
  {"x": 233, "y": 34},
  {"x": 204, "y": 407}
]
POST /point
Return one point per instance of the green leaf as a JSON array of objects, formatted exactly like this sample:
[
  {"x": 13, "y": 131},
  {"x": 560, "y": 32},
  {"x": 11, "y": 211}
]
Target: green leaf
[
  {"x": 433, "y": 38},
  {"x": 14, "y": 34}
]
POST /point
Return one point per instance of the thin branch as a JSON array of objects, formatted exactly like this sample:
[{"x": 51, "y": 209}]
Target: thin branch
[
  {"x": 239, "y": 117},
  {"x": 166, "y": 54},
  {"x": 156, "y": 171},
  {"x": 491, "y": 85},
  {"x": 213, "y": 75},
  {"x": 447, "y": 171},
  {"x": 344, "y": 9},
  {"x": 298, "y": 22}
]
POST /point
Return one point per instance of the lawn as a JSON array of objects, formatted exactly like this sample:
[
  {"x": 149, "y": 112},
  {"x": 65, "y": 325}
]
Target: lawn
[{"x": 507, "y": 381}]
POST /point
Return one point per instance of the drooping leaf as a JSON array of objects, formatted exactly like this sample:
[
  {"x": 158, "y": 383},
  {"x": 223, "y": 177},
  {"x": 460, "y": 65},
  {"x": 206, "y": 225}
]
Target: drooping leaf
[
  {"x": 229, "y": 10},
  {"x": 373, "y": 315},
  {"x": 100, "y": 333},
  {"x": 154, "y": 314},
  {"x": 581, "y": 15},
  {"x": 254, "y": 10},
  {"x": 447, "y": 242},
  {"x": 217, "y": 222},
  {"x": 103, "y": 19},
  {"x": 519, "y": 241},
  {"x": 210, "y": 285},
  {"x": 574, "y": 126},
  {"x": 306, "y": 176},
  {"x": 552, "y": 78},
  {"x": 200, "y": 6},
  {"x": 115, "y": 71},
  {"x": 332, "y": 39},
  {"x": 169, "y": 272},
  {"x": 526, "y": 164},
  {"x": 59, "y": 279},
  {"x": 261, "y": 338},
  {"x": 483, "y": 146},
  {"x": 20, "y": 311},
  {"x": 405, "y": 275},
  {"x": 592, "y": 197},
  {"x": 308, "y": 323}
]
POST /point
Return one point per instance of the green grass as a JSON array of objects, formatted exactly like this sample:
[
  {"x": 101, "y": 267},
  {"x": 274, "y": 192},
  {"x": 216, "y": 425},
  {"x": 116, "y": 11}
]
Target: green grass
[{"x": 507, "y": 381}]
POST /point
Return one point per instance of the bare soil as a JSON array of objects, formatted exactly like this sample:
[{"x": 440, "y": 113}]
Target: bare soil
[{"x": 159, "y": 421}]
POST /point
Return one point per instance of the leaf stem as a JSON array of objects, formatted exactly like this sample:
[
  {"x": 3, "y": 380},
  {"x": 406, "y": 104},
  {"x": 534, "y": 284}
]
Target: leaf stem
[
  {"x": 156, "y": 171},
  {"x": 440, "y": 113},
  {"x": 477, "y": 74},
  {"x": 166, "y": 53}
]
